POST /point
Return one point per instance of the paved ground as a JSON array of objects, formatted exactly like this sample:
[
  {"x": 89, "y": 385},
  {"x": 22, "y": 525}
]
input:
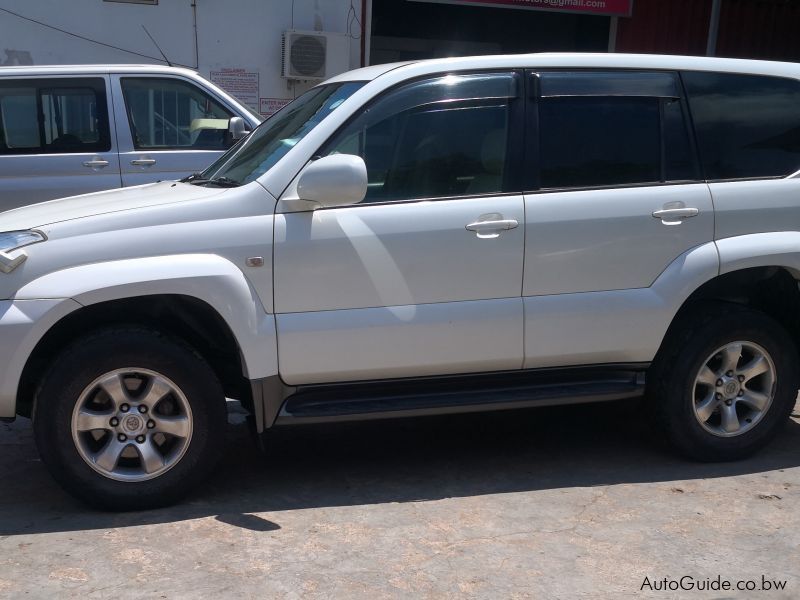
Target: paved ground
[{"x": 555, "y": 503}]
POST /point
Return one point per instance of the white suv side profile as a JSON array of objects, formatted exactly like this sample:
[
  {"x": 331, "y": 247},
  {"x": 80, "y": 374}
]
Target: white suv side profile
[{"x": 441, "y": 236}]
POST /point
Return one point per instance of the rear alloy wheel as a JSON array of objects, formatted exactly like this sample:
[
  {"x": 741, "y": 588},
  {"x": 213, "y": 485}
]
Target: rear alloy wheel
[
  {"x": 734, "y": 389},
  {"x": 129, "y": 419},
  {"x": 725, "y": 382}
]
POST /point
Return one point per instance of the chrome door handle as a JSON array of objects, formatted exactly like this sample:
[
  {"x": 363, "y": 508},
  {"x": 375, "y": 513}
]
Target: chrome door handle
[
  {"x": 491, "y": 229},
  {"x": 97, "y": 163},
  {"x": 502, "y": 224},
  {"x": 674, "y": 215},
  {"x": 143, "y": 162}
]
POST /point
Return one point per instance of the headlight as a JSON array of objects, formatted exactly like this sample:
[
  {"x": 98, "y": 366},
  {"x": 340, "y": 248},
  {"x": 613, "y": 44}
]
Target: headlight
[{"x": 14, "y": 240}]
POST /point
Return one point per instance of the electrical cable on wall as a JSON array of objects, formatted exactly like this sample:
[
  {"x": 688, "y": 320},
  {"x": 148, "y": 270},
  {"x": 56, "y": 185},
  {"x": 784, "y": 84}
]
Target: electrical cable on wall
[
  {"x": 352, "y": 18},
  {"x": 88, "y": 39}
]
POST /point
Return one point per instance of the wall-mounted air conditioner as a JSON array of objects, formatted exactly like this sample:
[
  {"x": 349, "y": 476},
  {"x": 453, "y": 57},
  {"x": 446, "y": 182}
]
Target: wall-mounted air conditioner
[{"x": 314, "y": 55}]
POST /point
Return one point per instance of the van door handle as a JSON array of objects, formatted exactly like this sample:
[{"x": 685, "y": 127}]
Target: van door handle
[
  {"x": 491, "y": 228},
  {"x": 673, "y": 216},
  {"x": 97, "y": 163},
  {"x": 143, "y": 162}
]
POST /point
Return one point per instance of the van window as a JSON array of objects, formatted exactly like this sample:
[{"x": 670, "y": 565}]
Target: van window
[
  {"x": 440, "y": 137},
  {"x": 53, "y": 116},
  {"x": 594, "y": 135},
  {"x": 167, "y": 114},
  {"x": 747, "y": 125}
]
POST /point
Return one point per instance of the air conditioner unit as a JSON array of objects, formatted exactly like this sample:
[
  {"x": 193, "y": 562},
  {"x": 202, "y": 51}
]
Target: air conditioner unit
[{"x": 314, "y": 55}]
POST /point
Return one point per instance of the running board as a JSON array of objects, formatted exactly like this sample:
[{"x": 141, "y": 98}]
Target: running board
[{"x": 460, "y": 394}]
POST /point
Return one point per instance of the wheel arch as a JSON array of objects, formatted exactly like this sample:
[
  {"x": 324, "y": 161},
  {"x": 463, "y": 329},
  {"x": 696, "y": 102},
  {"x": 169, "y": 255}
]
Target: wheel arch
[{"x": 203, "y": 299}]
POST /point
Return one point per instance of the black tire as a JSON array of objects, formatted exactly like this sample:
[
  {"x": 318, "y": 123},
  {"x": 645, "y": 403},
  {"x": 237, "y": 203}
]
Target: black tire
[
  {"x": 671, "y": 387},
  {"x": 88, "y": 359}
]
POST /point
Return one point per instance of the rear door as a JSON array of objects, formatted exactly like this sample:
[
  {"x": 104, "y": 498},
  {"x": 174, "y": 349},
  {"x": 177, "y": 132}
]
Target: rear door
[
  {"x": 168, "y": 127},
  {"x": 618, "y": 198},
  {"x": 55, "y": 139}
]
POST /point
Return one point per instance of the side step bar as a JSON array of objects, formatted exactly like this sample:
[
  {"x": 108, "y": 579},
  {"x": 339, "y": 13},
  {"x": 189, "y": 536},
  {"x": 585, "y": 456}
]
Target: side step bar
[{"x": 460, "y": 394}]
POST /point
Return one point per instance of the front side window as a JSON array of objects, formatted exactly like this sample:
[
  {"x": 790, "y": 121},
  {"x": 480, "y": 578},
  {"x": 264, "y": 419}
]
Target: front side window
[
  {"x": 747, "y": 125},
  {"x": 625, "y": 130},
  {"x": 167, "y": 114},
  {"x": 440, "y": 137},
  {"x": 54, "y": 116}
]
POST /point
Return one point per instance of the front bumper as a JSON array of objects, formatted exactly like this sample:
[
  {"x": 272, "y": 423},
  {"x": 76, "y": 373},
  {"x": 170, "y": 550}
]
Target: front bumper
[{"x": 23, "y": 323}]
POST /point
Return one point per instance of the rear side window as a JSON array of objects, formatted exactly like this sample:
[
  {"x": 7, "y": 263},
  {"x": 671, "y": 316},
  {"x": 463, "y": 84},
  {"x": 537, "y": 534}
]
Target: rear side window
[
  {"x": 610, "y": 129},
  {"x": 435, "y": 138},
  {"x": 167, "y": 114},
  {"x": 747, "y": 125},
  {"x": 53, "y": 116}
]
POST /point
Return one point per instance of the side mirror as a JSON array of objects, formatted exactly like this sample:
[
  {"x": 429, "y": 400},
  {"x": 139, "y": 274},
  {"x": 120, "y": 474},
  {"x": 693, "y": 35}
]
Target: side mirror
[
  {"x": 335, "y": 180},
  {"x": 237, "y": 128}
]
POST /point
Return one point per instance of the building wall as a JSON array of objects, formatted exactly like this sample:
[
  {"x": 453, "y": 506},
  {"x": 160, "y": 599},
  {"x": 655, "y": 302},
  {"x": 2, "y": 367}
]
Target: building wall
[
  {"x": 763, "y": 29},
  {"x": 231, "y": 34}
]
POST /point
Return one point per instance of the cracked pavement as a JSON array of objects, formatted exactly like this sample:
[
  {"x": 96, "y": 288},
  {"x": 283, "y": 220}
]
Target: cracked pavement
[{"x": 568, "y": 502}]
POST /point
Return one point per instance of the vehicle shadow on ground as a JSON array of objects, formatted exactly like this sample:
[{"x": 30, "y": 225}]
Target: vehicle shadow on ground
[{"x": 392, "y": 461}]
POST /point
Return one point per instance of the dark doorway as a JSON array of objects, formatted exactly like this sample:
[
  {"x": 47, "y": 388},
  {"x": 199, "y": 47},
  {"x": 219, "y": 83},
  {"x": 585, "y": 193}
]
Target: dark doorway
[{"x": 405, "y": 30}]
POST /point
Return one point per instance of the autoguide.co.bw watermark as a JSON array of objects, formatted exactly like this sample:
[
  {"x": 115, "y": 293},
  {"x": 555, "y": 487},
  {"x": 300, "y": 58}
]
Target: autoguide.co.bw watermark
[{"x": 718, "y": 584}]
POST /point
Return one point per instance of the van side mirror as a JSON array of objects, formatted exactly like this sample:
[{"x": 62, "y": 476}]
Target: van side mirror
[
  {"x": 237, "y": 128},
  {"x": 335, "y": 180}
]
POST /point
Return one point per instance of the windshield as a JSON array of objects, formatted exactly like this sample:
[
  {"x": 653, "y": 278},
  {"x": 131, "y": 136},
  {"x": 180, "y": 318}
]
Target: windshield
[{"x": 259, "y": 151}]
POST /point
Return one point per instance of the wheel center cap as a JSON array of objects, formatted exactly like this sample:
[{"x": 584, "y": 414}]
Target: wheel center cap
[
  {"x": 132, "y": 423},
  {"x": 731, "y": 388}
]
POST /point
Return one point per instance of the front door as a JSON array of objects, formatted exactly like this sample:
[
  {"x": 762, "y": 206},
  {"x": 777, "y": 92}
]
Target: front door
[
  {"x": 168, "y": 128},
  {"x": 424, "y": 276},
  {"x": 55, "y": 139}
]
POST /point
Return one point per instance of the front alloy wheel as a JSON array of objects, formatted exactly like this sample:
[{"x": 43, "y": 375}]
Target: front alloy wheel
[
  {"x": 132, "y": 424},
  {"x": 129, "y": 418}
]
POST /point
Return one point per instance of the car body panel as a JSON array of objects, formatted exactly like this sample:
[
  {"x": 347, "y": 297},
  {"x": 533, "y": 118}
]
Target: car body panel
[{"x": 582, "y": 241}]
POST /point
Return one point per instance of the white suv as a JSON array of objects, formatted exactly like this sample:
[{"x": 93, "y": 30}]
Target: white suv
[{"x": 442, "y": 236}]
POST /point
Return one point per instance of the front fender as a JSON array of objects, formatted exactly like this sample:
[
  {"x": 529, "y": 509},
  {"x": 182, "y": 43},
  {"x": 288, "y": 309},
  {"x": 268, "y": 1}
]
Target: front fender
[{"x": 207, "y": 277}]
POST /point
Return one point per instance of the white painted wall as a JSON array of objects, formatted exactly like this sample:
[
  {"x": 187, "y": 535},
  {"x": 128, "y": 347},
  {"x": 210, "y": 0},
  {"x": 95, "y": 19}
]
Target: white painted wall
[{"x": 231, "y": 33}]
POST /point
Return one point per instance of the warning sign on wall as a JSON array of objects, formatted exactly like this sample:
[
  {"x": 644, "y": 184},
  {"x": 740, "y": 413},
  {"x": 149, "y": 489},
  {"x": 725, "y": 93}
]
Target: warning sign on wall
[
  {"x": 269, "y": 106},
  {"x": 239, "y": 83}
]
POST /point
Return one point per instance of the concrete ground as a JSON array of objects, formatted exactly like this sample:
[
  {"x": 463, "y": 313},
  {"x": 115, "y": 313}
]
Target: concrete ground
[{"x": 554, "y": 503}]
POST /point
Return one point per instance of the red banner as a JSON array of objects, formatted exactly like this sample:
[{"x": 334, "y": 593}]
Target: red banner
[{"x": 618, "y": 8}]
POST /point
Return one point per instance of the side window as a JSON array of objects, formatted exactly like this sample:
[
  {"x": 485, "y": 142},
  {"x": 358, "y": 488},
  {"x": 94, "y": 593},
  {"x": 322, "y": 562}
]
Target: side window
[
  {"x": 747, "y": 125},
  {"x": 54, "y": 116},
  {"x": 606, "y": 129},
  {"x": 434, "y": 138},
  {"x": 167, "y": 114}
]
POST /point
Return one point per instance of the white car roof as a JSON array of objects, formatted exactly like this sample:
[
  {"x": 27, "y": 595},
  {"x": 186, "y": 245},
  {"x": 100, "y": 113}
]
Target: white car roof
[
  {"x": 94, "y": 69},
  {"x": 573, "y": 60}
]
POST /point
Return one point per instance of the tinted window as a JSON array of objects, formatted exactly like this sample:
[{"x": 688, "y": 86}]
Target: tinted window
[
  {"x": 747, "y": 125},
  {"x": 439, "y": 137},
  {"x": 169, "y": 113},
  {"x": 53, "y": 116},
  {"x": 601, "y": 141}
]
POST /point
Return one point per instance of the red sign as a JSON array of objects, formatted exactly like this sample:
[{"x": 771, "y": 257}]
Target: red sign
[{"x": 618, "y": 8}]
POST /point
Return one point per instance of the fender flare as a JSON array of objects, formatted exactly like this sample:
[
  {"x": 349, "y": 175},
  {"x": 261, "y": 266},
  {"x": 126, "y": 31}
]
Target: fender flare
[
  {"x": 206, "y": 277},
  {"x": 774, "y": 249}
]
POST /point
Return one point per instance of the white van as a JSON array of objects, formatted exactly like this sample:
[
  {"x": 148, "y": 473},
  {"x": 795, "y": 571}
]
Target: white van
[{"x": 67, "y": 130}]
